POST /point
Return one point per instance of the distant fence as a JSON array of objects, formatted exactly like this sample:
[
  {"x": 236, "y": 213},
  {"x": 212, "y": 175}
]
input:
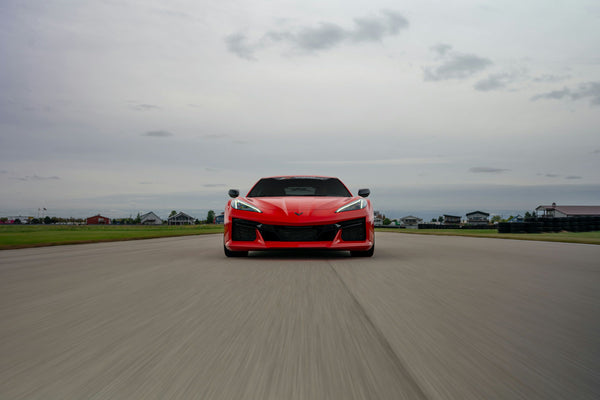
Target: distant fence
[
  {"x": 436, "y": 226},
  {"x": 570, "y": 224},
  {"x": 455, "y": 226}
]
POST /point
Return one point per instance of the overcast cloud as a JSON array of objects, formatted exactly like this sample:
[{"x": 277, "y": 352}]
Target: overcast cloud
[
  {"x": 454, "y": 65},
  {"x": 157, "y": 134},
  {"x": 497, "y": 81},
  {"x": 589, "y": 91},
  {"x": 119, "y": 107},
  {"x": 487, "y": 170},
  {"x": 322, "y": 36}
]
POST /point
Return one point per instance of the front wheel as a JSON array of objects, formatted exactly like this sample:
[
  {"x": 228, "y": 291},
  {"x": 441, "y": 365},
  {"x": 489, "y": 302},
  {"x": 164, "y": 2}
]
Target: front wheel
[
  {"x": 230, "y": 253},
  {"x": 367, "y": 253}
]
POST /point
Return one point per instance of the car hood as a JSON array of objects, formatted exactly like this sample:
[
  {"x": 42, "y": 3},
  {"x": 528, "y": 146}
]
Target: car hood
[{"x": 302, "y": 205}]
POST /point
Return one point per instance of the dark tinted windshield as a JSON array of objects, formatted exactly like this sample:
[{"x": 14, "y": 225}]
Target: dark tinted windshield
[{"x": 299, "y": 186}]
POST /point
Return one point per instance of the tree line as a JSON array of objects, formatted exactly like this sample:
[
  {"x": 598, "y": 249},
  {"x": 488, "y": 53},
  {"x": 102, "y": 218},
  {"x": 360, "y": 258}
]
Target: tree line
[{"x": 47, "y": 220}]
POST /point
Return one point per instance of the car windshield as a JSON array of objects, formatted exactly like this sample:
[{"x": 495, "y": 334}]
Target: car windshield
[{"x": 299, "y": 186}]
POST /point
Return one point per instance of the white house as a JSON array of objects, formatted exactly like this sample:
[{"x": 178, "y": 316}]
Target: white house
[
  {"x": 451, "y": 219},
  {"x": 478, "y": 218},
  {"x": 151, "y": 219},
  {"x": 181, "y": 218},
  {"x": 411, "y": 222},
  {"x": 555, "y": 211}
]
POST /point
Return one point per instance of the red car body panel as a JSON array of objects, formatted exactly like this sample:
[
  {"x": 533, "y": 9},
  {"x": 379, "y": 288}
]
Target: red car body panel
[{"x": 299, "y": 211}]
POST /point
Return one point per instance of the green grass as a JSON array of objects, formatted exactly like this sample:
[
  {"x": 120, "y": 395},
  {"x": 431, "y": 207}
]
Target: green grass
[
  {"x": 21, "y": 236},
  {"x": 568, "y": 237}
]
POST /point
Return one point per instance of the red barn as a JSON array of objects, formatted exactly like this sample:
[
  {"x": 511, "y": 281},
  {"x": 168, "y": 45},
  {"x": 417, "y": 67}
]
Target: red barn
[{"x": 97, "y": 220}]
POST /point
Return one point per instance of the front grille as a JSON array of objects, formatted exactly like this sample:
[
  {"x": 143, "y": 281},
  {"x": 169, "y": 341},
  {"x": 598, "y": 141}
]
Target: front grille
[
  {"x": 314, "y": 233},
  {"x": 353, "y": 230}
]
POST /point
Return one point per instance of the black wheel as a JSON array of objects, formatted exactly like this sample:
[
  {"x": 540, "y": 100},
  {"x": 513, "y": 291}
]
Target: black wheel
[
  {"x": 230, "y": 253},
  {"x": 368, "y": 253}
]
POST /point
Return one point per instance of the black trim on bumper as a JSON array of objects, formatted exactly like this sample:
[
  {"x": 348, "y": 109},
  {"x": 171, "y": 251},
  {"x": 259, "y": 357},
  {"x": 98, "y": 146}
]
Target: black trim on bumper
[{"x": 245, "y": 231}]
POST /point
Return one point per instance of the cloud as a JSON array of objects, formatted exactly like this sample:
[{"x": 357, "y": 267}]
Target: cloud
[
  {"x": 550, "y": 78},
  {"x": 441, "y": 48},
  {"x": 487, "y": 170},
  {"x": 374, "y": 29},
  {"x": 454, "y": 65},
  {"x": 497, "y": 81},
  {"x": 588, "y": 90},
  {"x": 324, "y": 36},
  {"x": 237, "y": 43},
  {"x": 212, "y": 185},
  {"x": 145, "y": 107},
  {"x": 574, "y": 177},
  {"x": 551, "y": 175},
  {"x": 157, "y": 134},
  {"x": 38, "y": 178},
  {"x": 597, "y": 151}
]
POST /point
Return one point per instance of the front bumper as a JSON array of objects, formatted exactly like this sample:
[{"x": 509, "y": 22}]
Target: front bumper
[{"x": 246, "y": 235}]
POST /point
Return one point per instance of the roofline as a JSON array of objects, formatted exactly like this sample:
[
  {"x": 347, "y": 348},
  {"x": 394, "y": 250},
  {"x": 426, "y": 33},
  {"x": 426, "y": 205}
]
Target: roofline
[{"x": 475, "y": 212}]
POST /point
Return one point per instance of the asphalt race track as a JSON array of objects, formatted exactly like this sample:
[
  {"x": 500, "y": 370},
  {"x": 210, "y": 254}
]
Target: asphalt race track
[{"x": 426, "y": 317}]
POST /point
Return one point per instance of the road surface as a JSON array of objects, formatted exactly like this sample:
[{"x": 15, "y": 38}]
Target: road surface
[{"x": 428, "y": 317}]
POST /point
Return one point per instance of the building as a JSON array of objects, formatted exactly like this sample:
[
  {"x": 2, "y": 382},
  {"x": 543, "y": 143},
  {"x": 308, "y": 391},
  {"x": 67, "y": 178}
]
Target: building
[
  {"x": 181, "y": 218},
  {"x": 478, "y": 218},
  {"x": 220, "y": 219},
  {"x": 556, "y": 211},
  {"x": 451, "y": 219},
  {"x": 97, "y": 220},
  {"x": 19, "y": 219},
  {"x": 378, "y": 218},
  {"x": 518, "y": 218},
  {"x": 410, "y": 222},
  {"x": 150, "y": 219}
]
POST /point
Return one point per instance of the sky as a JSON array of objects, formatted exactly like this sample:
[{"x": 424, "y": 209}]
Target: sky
[{"x": 119, "y": 107}]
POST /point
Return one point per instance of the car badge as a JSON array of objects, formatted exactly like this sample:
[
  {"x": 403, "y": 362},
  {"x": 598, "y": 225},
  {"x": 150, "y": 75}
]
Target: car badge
[{"x": 298, "y": 213}]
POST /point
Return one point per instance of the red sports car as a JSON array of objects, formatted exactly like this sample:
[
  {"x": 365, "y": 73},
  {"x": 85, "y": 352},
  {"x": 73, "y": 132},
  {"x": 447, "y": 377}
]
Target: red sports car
[{"x": 299, "y": 212}]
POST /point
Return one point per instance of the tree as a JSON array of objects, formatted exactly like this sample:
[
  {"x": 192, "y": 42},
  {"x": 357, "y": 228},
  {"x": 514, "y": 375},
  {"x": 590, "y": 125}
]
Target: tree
[
  {"x": 210, "y": 217},
  {"x": 173, "y": 213},
  {"x": 138, "y": 219},
  {"x": 440, "y": 219},
  {"x": 387, "y": 221},
  {"x": 496, "y": 218},
  {"x": 47, "y": 220}
]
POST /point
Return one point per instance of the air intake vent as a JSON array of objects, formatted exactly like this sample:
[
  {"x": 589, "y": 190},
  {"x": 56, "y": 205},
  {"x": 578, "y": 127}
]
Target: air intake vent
[{"x": 243, "y": 230}]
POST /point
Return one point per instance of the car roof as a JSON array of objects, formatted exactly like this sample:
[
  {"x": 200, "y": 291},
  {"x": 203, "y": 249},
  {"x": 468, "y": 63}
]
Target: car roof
[{"x": 299, "y": 176}]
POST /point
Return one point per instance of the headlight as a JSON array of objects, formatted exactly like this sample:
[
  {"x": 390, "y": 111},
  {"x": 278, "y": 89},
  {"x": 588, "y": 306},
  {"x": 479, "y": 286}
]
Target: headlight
[
  {"x": 355, "y": 205},
  {"x": 243, "y": 206}
]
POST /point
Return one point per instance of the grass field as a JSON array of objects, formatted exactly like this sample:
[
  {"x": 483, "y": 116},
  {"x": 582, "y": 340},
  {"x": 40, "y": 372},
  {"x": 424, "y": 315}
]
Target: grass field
[
  {"x": 21, "y": 236},
  {"x": 569, "y": 237}
]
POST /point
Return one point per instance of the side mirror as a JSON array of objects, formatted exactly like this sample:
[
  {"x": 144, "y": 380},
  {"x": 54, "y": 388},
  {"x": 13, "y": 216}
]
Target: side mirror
[
  {"x": 364, "y": 192},
  {"x": 233, "y": 193}
]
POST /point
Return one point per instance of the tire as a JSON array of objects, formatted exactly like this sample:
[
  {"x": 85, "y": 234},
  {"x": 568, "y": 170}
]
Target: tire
[
  {"x": 368, "y": 253},
  {"x": 230, "y": 253}
]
